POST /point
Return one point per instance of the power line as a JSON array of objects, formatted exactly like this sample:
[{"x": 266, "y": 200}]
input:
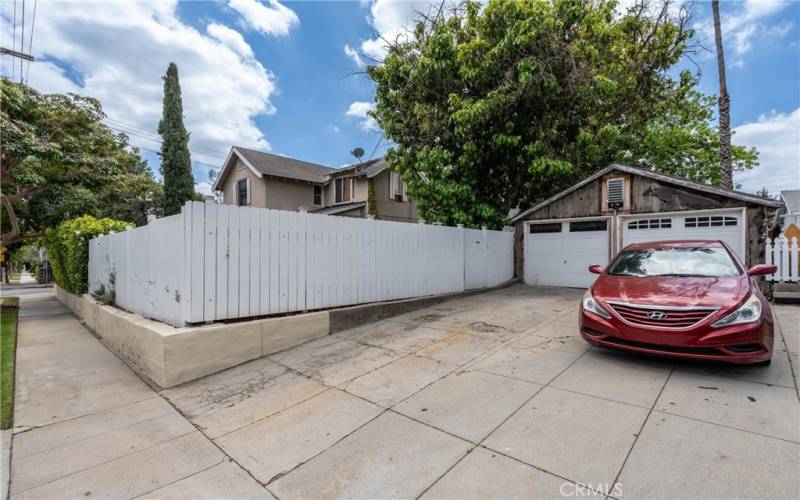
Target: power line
[
  {"x": 14, "y": 42},
  {"x": 193, "y": 161},
  {"x": 30, "y": 42},
  {"x": 135, "y": 129},
  {"x": 380, "y": 139},
  {"x": 138, "y": 132},
  {"x": 160, "y": 141},
  {"x": 22, "y": 41}
]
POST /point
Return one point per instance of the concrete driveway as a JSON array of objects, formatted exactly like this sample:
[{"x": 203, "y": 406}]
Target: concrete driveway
[{"x": 489, "y": 396}]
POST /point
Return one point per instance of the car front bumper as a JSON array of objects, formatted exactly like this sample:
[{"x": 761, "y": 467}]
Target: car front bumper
[{"x": 743, "y": 344}]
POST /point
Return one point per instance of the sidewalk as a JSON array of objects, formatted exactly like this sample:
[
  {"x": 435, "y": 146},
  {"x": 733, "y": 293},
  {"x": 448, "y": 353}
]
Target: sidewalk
[{"x": 85, "y": 425}]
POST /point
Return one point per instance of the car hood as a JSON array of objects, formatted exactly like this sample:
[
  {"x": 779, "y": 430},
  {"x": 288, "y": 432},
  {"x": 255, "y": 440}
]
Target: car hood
[{"x": 726, "y": 291}]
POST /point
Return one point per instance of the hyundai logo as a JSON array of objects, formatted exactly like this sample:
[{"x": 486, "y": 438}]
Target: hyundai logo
[{"x": 657, "y": 315}]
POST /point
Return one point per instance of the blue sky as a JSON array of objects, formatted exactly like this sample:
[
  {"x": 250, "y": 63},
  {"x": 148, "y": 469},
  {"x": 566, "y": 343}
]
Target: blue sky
[{"x": 274, "y": 76}]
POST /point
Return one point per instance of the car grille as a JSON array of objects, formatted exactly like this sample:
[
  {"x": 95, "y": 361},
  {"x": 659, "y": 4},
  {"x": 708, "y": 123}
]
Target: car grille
[
  {"x": 665, "y": 348},
  {"x": 654, "y": 317}
]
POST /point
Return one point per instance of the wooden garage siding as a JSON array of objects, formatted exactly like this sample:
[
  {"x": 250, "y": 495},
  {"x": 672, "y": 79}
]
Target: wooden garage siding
[{"x": 647, "y": 196}]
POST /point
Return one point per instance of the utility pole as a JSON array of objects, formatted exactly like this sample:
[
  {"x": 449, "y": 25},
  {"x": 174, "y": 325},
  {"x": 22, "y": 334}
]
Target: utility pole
[
  {"x": 15, "y": 53},
  {"x": 19, "y": 55}
]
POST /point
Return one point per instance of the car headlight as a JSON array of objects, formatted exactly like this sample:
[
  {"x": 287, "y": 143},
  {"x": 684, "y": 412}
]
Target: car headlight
[
  {"x": 748, "y": 312},
  {"x": 590, "y": 304}
]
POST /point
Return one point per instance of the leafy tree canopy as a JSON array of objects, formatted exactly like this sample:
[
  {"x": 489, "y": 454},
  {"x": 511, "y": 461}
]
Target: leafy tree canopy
[
  {"x": 58, "y": 161},
  {"x": 681, "y": 140},
  {"x": 503, "y": 105}
]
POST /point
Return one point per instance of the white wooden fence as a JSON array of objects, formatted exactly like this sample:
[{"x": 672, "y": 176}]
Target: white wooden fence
[
  {"x": 783, "y": 254},
  {"x": 213, "y": 262}
]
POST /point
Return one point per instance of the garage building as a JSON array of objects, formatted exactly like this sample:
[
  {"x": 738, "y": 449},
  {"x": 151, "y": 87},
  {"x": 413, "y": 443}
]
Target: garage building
[{"x": 590, "y": 222}]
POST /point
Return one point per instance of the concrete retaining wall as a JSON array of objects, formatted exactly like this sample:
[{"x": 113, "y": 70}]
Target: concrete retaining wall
[{"x": 170, "y": 356}]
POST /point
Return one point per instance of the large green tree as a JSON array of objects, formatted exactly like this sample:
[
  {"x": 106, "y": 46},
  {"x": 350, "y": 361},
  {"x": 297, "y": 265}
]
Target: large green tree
[
  {"x": 58, "y": 161},
  {"x": 176, "y": 164},
  {"x": 681, "y": 140},
  {"x": 490, "y": 107}
]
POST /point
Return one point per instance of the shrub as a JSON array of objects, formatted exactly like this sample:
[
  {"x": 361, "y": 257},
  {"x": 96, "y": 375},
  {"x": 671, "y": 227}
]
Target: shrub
[{"x": 68, "y": 249}]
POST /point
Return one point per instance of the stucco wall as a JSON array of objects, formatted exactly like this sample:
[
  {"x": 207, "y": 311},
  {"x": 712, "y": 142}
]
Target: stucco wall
[
  {"x": 288, "y": 195},
  {"x": 269, "y": 192},
  {"x": 257, "y": 194},
  {"x": 388, "y": 209}
]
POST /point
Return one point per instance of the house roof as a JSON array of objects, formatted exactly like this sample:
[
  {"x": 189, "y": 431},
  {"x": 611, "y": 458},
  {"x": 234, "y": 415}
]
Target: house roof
[
  {"x": 706, "y": 188},
  {"x": 340, "y": 208},
  {"x": 282, "y": 166},
  {"x": 791, "y": 199},
  {"x": 369, "y": 168}
]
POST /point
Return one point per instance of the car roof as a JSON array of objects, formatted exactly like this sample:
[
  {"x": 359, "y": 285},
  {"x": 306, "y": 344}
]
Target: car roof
[{"x": 652, "y": 245}]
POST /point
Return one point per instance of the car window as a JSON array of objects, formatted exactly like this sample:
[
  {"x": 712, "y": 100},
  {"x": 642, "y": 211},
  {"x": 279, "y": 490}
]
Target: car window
[{"x": 711, "y": 262}]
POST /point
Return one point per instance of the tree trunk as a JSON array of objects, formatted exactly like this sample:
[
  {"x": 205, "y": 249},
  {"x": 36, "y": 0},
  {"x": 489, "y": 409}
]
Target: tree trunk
[{"x": 726, "y": 161}]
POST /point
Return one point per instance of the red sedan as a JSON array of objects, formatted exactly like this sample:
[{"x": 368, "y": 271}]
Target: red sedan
[{"x": 686, "y": 299}]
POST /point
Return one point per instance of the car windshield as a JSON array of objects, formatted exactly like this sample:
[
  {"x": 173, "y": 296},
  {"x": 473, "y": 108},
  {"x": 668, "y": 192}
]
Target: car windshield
[{"x": 695, "y": 262}]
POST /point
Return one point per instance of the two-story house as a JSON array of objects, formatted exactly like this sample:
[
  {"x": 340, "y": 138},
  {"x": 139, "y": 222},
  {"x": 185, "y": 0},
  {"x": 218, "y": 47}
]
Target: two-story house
[{"x": 253, "y": 178}]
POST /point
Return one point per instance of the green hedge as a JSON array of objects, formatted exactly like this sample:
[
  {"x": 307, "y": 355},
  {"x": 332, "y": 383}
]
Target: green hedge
[{"x": 68, "y": 249}]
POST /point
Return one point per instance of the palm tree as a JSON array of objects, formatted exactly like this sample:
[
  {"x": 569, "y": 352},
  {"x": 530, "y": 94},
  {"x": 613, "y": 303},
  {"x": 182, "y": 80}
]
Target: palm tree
[{"x": 726, "y": 162}]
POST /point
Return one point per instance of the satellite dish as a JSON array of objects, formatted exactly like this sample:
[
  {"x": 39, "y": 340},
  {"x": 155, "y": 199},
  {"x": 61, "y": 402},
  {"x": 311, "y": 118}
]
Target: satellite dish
[{"x": 358, "y": 153}]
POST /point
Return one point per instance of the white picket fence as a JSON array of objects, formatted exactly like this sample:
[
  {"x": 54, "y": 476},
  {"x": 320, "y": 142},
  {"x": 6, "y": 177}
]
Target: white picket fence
[
  {"x": 214, "y": 262},
  {"x": 783, "y": 254}
]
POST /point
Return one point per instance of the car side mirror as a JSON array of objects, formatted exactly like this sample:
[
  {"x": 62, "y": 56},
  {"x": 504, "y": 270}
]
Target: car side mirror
[
  {"x": 762, "y": 269},
  {"x": 596, "y": 269}
]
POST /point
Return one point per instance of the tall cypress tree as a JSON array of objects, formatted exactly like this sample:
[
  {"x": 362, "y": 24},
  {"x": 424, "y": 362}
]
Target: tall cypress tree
[{"x": 176, "y": 164}]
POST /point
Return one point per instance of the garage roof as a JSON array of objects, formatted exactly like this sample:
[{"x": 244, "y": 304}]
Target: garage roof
[
  {"x": 737, "y": 195},
  {"x": 792, "y": 200}
]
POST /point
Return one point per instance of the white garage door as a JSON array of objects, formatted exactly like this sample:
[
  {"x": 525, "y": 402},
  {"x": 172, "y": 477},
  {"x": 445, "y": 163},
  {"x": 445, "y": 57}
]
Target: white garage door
[
  {"x": 725, "y": 226},
  {"x": 559, "y": 253}
]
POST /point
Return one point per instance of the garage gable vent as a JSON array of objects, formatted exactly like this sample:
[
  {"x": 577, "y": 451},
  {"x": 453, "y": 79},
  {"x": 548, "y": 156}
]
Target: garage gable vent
[{"x": 615, "y": 192}]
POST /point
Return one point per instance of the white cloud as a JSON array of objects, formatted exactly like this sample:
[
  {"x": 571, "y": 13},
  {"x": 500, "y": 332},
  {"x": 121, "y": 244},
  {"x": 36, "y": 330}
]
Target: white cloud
[
  {"x": 273, "y": 19},
  {"x": 117, "y": 52},
  {"x": 777, "y": 138},
  {"x": 741, "y": 27},
  {"x": 230, "y": 38},
  {"x": 392, "y": 19},
  {"x": 203, "y": 188},
  {"x": 359, "y": 110},
  {"x": 354, "y": 55}
]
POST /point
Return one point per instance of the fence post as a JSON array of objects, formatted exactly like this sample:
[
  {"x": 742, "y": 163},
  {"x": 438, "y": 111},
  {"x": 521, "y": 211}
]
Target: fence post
[
  {"x": 795, "y": 266},
  {"x": 485, "y": 253},
  {"x": 769, "y": 258},
  {"x": 463, "y": 257},
  {"x": 784, "y": 258},
  {"x": 186, "y": 288}
]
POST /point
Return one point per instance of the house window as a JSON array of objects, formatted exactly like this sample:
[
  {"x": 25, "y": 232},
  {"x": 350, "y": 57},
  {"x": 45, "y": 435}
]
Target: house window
[
  {"x": 343, "y": 187},
  {"x": 243, "y": 192},
  {"x": 554, "y": 227},
  {"x": 711, "y": 221},
  {"x": 588, "y": 225},
  {"x": 317, "y": 195},
  {"x": 650, "y": 224},
  {"x": 397, "y": 188}
]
